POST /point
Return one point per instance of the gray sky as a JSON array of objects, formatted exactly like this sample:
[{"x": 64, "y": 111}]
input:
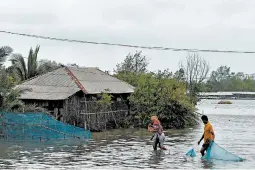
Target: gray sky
[{"x": 214, "y": 24}]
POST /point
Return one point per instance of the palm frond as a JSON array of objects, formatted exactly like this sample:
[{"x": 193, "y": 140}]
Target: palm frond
[
  {"x": 32, "y": 62},
  {"x": 4, "y": 52},
  {"x": 11, "y": 101},
  {"x": 15, "y": 105},
  {"x": 35, "y": 56},
  {"x": 19, "y": 66}
]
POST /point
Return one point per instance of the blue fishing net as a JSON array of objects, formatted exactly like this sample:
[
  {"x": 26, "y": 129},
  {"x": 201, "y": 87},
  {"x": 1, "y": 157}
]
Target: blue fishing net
[
  {"x": 216, "y": 152},
  {"x": 191, "y": 153},
  {"x": 38, "y": 126}
]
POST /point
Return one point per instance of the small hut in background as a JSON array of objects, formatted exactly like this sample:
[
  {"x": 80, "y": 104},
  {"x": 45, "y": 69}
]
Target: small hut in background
[{"x": 72, "y": 95}]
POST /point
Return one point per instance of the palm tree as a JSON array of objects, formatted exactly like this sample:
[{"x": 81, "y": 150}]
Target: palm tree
[
  {"x": 8, "y": 94},
  {"x": 4, "y": 52},
  {"x": 11, "y": 100},
  {"x": 22, "y": 70}
]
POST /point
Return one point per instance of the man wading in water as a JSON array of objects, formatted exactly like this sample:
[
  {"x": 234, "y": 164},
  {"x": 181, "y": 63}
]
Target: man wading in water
[
  {"x": 159, "y": 135},
  {"x": 208, "y": 135}
]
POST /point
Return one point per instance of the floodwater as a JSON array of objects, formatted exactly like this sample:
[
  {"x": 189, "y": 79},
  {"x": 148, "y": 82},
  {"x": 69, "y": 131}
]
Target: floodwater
[{"x": 131, "y": 148}]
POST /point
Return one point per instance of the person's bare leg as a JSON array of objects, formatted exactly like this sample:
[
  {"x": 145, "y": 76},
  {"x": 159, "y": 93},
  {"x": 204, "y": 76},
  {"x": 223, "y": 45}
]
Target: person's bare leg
[
  {"x": 162, "y": 141},
  {"x": 202, "y": 151}
]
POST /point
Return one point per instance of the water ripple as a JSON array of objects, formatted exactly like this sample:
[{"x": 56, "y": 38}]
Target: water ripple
[{"x": 132, "y": 149}]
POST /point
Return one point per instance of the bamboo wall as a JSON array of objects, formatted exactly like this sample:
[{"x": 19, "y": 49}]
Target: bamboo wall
[
  {"x": 94, "y": 115},
  {"x": 87, "y": 111}
]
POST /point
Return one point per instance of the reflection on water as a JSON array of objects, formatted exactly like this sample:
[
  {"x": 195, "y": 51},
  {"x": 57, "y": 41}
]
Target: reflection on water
[
  {"x": 206, "y": 164},
  {"x": 132, "y": 149}
]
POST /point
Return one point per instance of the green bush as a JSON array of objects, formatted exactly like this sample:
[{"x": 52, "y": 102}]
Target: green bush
[{"x": 164, "y": 97}]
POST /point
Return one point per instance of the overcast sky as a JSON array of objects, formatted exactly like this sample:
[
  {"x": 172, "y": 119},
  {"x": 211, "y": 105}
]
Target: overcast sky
[{"x": 214, "y": 24}]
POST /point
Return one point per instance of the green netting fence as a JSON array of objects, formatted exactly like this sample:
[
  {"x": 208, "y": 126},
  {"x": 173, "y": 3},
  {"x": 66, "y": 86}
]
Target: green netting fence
[{"x": 37, "y": 126}]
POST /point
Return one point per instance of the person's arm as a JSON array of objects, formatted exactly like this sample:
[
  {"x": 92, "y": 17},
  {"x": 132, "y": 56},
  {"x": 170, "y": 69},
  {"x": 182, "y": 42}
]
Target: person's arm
[
  {"x": 213, "y": 134},
  {"x": 200, "y": 140},
  {"x": 160, "y": 129},
  {"x": 150, "y": 125}
]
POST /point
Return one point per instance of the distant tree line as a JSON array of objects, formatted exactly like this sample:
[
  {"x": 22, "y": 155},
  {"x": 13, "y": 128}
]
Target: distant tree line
[{"x": 223, "y": 79}]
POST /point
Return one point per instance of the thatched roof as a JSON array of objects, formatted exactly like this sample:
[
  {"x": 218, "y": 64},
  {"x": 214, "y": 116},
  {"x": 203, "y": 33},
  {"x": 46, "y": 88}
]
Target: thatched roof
[{"x": 58, "y": 85}]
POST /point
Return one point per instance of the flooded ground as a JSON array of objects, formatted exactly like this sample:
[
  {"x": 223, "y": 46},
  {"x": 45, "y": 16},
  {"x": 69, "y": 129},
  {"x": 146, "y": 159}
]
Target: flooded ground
[{"x": 131, "y": 149}]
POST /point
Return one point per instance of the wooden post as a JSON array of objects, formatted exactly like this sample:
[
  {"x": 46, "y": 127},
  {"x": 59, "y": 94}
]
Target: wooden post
[
  {"x": 65, "y": 110},
  {"x": 85, "y": 124},
  {"x": 61, "y": 114},
  {"x": 85, "y": 120},
  {"x": 56, "y": 113}
]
